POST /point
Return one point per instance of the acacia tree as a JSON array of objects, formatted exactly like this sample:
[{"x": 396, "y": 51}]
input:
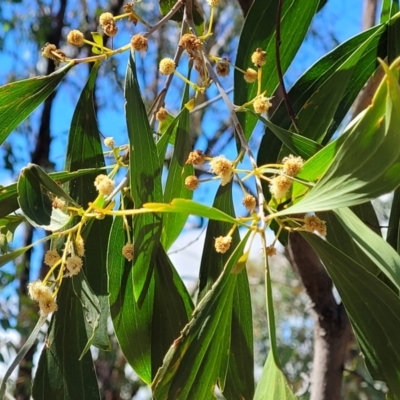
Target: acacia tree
[{"x": 110, "y": 234}]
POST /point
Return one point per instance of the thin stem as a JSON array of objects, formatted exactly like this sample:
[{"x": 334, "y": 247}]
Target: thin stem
[{"x": 289, "y": 108}]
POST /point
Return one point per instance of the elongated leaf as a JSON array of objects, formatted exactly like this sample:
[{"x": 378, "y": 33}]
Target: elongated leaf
[
  {"x": 178, "y": 171},
  {"x": 60, "y": 374},
  {"x": 145, "y": 183},
  {"x": 393, "y": 234},
  {"x": 239, "y": 382},
  {"x": 273, "y": 384},
  {"x": 193, "y": 363},
  {"x": 192, "y": 207},
  {"x": 353, "y": 177},
  {"x": 164, "y": 312},
  {"x": 85, "y": 151},
  {"x": 19, "y": 99},
  {"x": 316, "y": 76},
  {"x": 90, "y": 306},
  {"x": 259, "y": 30},
  {"x": 64, "y": 371},
  {"x": 374, "y": 312},
  {"x": 299, "y": 145},
  {"x": 9, "y": 194},
  {"x": 34, "y": 202}
]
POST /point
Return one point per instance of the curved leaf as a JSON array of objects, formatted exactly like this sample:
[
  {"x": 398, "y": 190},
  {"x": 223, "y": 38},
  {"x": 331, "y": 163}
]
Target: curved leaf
[
  {"x": 259, "y": 30},
  {"x": 19, "y": 99},
  {"x": 145, "y": 183}
]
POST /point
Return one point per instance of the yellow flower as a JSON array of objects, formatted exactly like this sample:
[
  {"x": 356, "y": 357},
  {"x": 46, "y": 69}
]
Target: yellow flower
[
  {"x": 109, "y": 142},
  {"x": 251, "y": 75},
  {"x": 271, "y": 251},
  {"x": 261, "y": 104},
  {"x": 106, "y": 19},
  {"x": 259, "y": 58},
  {"x": 139, "y": 43},
  {"x": 223, "y": 168},
  {"x": 162, "y": 114},
  {"x": 279, "y": 186},
  {"x": 167, "y": 66},
  {"x": 292, "y": 165},
  {"x": 75, "y": 38},
  {"x": 213, "y": 3},
  {"x": 222, "y": 244},
  {"x": 51, "y": 257},
  {"x": 196, "y": 157},
  {"x": 74, "y": 265},
  {"x": 313, "y": 224},
  {"x": 192, "y": 182},
  {"x": 127, "y": 251},
  {"x": 104, "y": 185},
  {"x": 249, "y": 202}
]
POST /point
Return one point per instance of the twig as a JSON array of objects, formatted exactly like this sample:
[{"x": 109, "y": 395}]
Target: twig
[{"x": 289, "y": 108}]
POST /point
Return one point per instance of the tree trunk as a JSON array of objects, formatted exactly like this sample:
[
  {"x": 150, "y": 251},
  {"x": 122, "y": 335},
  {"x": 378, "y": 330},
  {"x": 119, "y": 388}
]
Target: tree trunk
[{"x": 332, "y": 330}]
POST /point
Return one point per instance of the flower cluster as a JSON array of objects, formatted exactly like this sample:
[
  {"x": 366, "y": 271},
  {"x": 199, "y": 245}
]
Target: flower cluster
[
  {"x": 107, "y": 22},
  {"x": 76, "y": 38},
  {"x": 167, "y": 66},
  {"x": 313, "y": 224},
  {"x": 223, "y": 168},
  {"x": 139, "y": 43},
  {"x": 127, "y": 251},
  {"x": 41, "y": 293},
  {"x": 222, "y": 244},
  {"x": 104, "y": 185}
]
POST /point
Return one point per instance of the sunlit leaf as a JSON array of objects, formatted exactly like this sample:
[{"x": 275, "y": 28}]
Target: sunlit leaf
[
  {"x": 194, "y": 362},
  {"x": 19, "y": 99},
  {"x": 259, "y": 30},
  {"x": 145, "y": 183}
]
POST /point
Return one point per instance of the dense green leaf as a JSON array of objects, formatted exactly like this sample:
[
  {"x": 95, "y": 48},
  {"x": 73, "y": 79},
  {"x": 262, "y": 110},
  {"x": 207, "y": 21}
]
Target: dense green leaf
[
  {"x": 173, "y": 223},
  {"x": 60, "y": 374},
  {"x": 163, "y": 314},
  {"x": 297, "y": 144},
  {"x": 273, "y": 384},
  {"x": 35, "y": 203},
  {"x": 239, "y": 377},
  {"x": 145, "y": 183},
  {"x": 367, "y": 165},
  {"x": 374, "y": 312},
  {"x": 194, "y": 362},
  {"x": 259, "y": 31},
  {"x": 19, "y": 99},
  {"x": 9, "y": 194},
  {"x": 316, "y": 76},
  {"x": 192, "y": 207}
]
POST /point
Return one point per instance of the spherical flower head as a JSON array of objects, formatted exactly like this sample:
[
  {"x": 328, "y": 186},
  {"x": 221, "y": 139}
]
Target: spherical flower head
[
  {"x": 313, "y": 224},
  {"x": 80, "y": 246},
  {"x": 58, "y": 203},
  {"x": 222, "y": 244},
  {"x": 74, "y": 265},
  {"x": 38, "y": 290},
  {"x": 106, "y": 19},
  {"x": 110, "y": 30},
  {"x": 279, "y": 186},
  {"x": 139, "y": 43},
  {"x": 249, "y": 202},
  {"x": 190, "y": 43},
  {"x": 270, "y": 251},
  {"x": 222, "y": 68},
  {"x": 259, "y": 58},
  {"x": 213, "y": 3},
  {"x": 261, "y": 104},
  {"x": 223, "y": 168},
  {"x": 51, "y": 257},
  {"x": 47, "y": 50},
  {"x": 292, "y": 165},
  {"x": 127, "y": 251},
  {"x": 167, "y": 66},
  {"x": 109, "y": 142},
  {"x": 47, "y": 306},
  {"x": 75, "y": 38},
  {"x": 192, "y": 182},
  {"x": 104, "y": 185},
  {"x": 161, "y": 114},
  {"x": 196, "y": 157},
  {"x": 251, "y": 75}
]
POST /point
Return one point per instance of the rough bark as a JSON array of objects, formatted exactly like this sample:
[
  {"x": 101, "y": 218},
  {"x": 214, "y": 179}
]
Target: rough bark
[{"x": 331, "y": 325}]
